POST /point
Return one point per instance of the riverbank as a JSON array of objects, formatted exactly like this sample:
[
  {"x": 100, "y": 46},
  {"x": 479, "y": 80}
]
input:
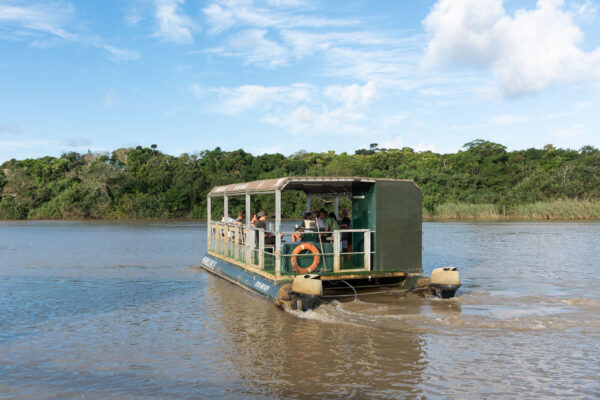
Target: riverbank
[
  {"x": 565, "y": 210},
  {"x": 559, "y": 210}
]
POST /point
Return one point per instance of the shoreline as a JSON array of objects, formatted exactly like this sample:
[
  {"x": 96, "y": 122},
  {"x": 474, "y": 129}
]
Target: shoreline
[
  {"x": 556, "y": 210},
  {"x": 425, "y": 219}
]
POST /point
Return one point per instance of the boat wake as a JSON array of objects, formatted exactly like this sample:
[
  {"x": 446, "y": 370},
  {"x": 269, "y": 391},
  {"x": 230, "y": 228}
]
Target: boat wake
[{"x": 480, "y": 311}]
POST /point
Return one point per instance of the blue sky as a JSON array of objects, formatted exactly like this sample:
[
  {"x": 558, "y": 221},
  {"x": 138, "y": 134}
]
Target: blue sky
[{"x": 290, "y": 75}]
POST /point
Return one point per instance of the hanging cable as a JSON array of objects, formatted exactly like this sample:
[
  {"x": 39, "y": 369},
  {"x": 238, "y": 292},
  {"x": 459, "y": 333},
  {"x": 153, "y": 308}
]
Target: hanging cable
[{"x": 354, "y": 290}]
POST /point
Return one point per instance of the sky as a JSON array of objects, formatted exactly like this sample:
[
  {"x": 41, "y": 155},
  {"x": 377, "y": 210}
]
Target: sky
[{"x": 289, "y": 75}]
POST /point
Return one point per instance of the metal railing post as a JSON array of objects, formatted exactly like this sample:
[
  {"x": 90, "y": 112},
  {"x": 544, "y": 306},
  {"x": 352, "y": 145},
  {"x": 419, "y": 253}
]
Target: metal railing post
[
  {"x": 336, "y": 251},
  {"x": 277, "y": 234},
  {"x": 248, "y": 209},
  {"x": 249, "y": 244},
  {"x": 261, "y": 248},
  {"x": 226, "y": 241},
  {"x": 367, "y": 249},
  {"x": 208, "y": 228}
]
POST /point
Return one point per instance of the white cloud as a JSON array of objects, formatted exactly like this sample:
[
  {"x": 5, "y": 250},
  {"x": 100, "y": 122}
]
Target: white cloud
[
  {"x": 121, "y": 54},
  {"x": 224, "y": 14},
  {"x": 48, "y": 18},
  {"x": 526, "y": 52},
  {"x": 44, "y": 24},
  {"x": 268, "y": 34},
  {"x": 304, "y": 120},
  {"x": 257, "y": 49},
  {"x": 300, "y": 108},
  {"x": 264, "y": 98},
  {"x": 173, "y": 24},
  {"x": 393, "y": 143},
  {"x": 385, "y": 65},
  {"x": 422, "y": 146},
  {"x": 287, "y": 3},
  {"x": 220, "y": 18},
  {"x": 572, "y": 131},
  {"x": 513, "y": 119},
  {"x": 353, "y": 96}
]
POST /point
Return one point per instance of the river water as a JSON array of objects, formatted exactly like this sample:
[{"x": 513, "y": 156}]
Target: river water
[{"x": 113, "y": 310}]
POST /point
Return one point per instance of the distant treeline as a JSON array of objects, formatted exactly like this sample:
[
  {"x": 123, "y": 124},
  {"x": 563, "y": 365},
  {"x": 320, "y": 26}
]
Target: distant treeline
[{"x": 142, "y": 182}]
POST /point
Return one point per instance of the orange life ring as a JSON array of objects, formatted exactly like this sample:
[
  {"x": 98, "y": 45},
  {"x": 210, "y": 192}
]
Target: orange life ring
[{"x": 316, "y": 258}]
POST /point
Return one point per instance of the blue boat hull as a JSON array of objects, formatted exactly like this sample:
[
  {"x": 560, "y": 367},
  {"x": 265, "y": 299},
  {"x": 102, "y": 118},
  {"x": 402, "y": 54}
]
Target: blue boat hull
[
  {"x": 241, "y": 277},
  {"x": 282, "y": 295}
]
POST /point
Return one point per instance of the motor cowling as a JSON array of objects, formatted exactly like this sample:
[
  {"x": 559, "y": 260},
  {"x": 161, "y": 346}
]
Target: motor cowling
[
  {"x": 445, "y": 281},
  {"x": 306, "y": 290},
  {"x": 310, "y": 284}
]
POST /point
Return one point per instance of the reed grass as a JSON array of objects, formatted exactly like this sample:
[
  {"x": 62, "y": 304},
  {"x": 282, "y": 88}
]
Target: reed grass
[
  {"x": 560, "y": 209},
  {"x": 543, "y": 210},
  {"x": 466, "y": 211}
]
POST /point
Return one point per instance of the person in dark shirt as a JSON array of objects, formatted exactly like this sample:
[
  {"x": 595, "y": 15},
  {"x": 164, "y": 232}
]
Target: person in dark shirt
[
  {"x": 261, "y": 223},
  {"x": 346, "y": 223}
]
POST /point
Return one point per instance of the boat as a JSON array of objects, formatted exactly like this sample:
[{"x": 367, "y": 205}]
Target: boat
[{"x": 380, "y": 252}]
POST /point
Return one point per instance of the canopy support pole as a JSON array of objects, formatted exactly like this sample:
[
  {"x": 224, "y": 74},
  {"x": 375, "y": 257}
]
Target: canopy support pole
[
  {"x": 336, "y": 204},
  {"x": 208, "y": 218},
  {"x": 225, "y": 208},
  {"x": 247, "y": 209},
  {"x": 277, "y": 235}
]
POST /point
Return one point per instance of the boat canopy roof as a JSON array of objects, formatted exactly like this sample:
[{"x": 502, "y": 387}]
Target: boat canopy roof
[{"x": 323, "y": 185}]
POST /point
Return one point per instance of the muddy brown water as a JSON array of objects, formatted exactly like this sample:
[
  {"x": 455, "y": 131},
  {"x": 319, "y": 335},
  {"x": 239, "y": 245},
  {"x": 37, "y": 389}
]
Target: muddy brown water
[{"x": 113, "y": 310}]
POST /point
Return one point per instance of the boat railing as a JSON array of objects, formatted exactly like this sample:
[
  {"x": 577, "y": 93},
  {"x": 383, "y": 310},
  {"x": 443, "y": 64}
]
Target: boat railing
[{"x": 247, "y": 245}]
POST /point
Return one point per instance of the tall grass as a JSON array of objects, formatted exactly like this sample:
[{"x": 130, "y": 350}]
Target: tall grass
[
  {"x": 466, "y": 211},
  {"x": 560, "y": 209},
  {"x": 547, "y": 210}
]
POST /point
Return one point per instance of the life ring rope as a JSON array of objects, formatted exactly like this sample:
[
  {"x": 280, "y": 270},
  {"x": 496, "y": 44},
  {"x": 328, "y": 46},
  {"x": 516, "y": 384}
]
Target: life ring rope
[{"x": 316, "y": 258}]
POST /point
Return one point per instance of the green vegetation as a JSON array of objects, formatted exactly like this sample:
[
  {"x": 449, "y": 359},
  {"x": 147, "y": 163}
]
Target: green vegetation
[
  {"x": 555, "y": 209},
  {"x": 482, "y": 182}
]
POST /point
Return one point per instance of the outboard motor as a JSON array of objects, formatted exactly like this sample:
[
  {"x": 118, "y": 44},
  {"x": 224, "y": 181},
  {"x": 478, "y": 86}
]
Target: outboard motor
[
  {"x": 306, "y": 290},
  {"x": 445, "y": 282}
]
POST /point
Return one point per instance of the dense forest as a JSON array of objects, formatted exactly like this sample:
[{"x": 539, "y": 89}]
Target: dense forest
[{"x": 483, "y": 179}]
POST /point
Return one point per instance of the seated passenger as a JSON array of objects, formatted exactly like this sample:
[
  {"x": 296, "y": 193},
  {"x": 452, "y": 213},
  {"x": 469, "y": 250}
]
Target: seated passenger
[
  {"x": 331, "y": 223},
  {"x": 297, "y": 235},
  {"x": 227, "y": 220},
  {"x": 328, "y": 223},
  {"x": 346, "y": 223},
  {"x": 322, "y": 215},
  {"x": 240, "y": 218},
  {"x": 261, "y": 223}
]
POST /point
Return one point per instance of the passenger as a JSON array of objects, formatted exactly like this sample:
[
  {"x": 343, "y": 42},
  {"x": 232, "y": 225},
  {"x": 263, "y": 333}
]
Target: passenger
[
  {"x": 297, "y": 235},
  {"x": 346, "y": 223},
  {"x": 331, "y": 223},
  {"x": 253, "y": 220},
  {"x": 322, "y": 215},
  {"x": 240, "y": 218},
  {"x": 262, "y": 224},
  {"x": 227, "y": 220}
]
